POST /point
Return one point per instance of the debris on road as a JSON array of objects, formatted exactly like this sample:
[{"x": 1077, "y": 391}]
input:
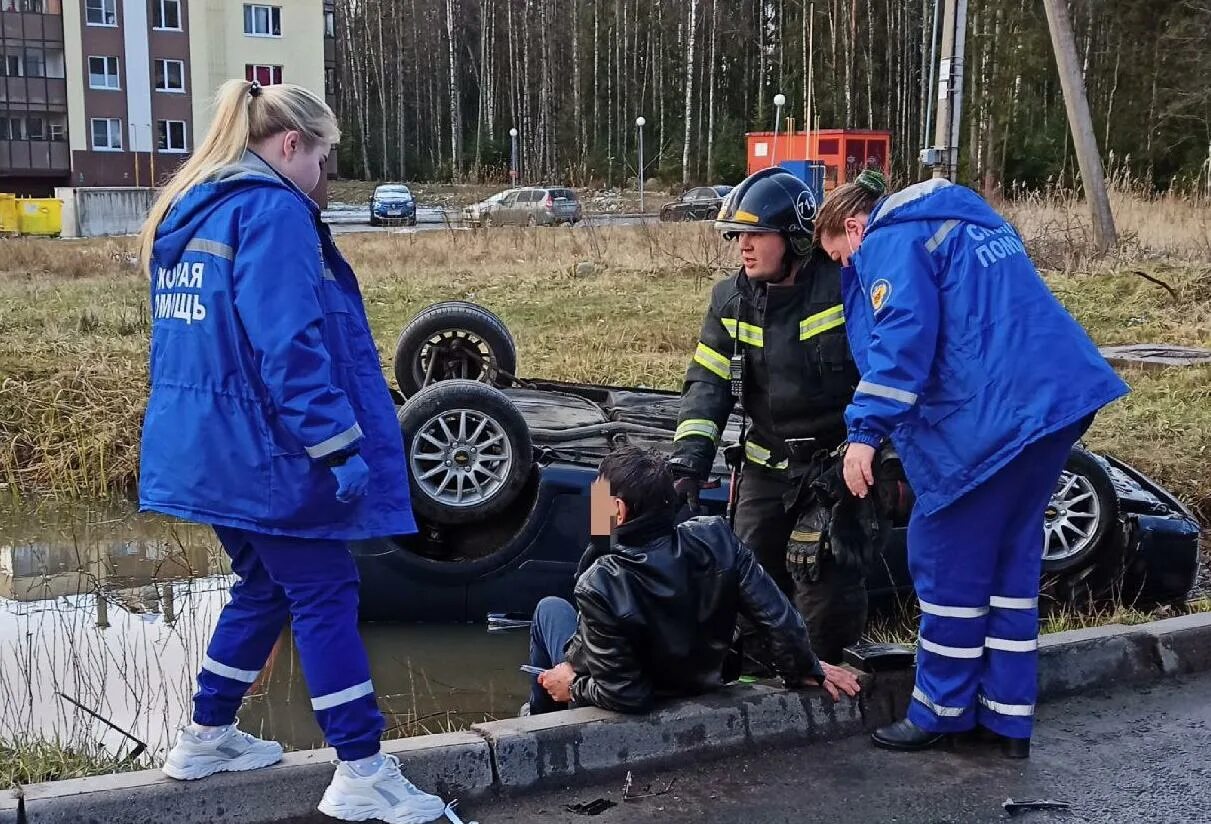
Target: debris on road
[
  {"x": 647, "y": 791},
  {"x": 1014, "y": 807},
  {"x": 453, "y": 816},
  {"x": 594, "y": 807}
]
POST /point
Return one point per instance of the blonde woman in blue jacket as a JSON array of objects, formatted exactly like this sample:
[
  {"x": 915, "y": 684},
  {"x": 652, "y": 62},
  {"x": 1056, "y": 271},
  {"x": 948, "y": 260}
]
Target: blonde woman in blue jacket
[{"x": 270, "y": 420}]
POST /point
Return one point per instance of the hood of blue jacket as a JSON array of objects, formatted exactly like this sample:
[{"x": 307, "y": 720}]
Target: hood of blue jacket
[
  {"x": 933, "y": 200},
  {"x": 197, "y": 203}
]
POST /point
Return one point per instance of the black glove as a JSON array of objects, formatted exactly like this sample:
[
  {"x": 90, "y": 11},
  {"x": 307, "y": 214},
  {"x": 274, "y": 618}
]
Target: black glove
[{"x": 687, "y": 488}]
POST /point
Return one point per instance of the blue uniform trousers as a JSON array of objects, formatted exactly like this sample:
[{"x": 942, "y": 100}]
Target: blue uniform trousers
[
  {"x": 975, "y": 565},
  {"x": 315, "y": 583}
]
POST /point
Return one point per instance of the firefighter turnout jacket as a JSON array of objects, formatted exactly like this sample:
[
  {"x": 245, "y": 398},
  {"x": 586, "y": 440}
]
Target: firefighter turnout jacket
[{"x": 797, "y": 371}]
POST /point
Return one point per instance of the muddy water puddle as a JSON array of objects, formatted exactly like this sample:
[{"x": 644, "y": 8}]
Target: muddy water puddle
[{"x": 109, "y": 612}]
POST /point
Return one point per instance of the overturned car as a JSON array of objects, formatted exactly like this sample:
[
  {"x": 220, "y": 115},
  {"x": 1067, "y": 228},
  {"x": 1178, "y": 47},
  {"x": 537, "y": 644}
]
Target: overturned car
[{"x": 500, "y": 469}]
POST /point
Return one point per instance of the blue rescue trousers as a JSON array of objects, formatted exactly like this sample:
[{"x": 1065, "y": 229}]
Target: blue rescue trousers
[
  {"x": 315, "y": 583},
  {"x": 976, "y": 565}
]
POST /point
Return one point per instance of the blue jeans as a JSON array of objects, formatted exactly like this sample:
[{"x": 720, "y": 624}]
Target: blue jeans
[
  {"x": 553, "y": 626},
  {"x": 314, "y": 583}
]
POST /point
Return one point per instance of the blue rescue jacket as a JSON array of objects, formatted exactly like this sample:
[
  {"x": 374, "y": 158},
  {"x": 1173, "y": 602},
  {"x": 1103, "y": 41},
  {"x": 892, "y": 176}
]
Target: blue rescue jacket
[
  {"x": 966, "y": 356},
  {"x": 263, "y": 368}
]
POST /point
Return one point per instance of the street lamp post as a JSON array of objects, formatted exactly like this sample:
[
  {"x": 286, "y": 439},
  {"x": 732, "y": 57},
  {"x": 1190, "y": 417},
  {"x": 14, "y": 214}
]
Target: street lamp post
[
  {"x": 639, "y": 123},
  {"x": 513, "y": 154},
  {"x": 779, "y": 102}
]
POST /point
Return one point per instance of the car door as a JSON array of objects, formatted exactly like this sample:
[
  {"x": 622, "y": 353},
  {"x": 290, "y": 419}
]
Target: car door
[
  {"x": 506, "y": 213},
  {"x": 703, "y": 203}
]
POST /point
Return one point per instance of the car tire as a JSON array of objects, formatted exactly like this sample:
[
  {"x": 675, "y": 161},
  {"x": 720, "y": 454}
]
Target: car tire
[
  {"x": 468, "y": 450},
  {"x": 532, "y": 221},
  {"x": 472, "y": 342},
  {"x": 1082, "y": 511},
  {"x": 375, "y": 222}
]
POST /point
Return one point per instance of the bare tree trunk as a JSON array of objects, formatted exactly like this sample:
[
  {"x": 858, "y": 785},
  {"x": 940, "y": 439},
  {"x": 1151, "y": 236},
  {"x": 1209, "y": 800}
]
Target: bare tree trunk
[
  {"x": 689, "y": 90},
  {"x": 577, "y": 102},
  {"x": 710, "y": 109},
  {"x": 1118, "y": 53},
  {"x": 358, "y": 96},
  {"x": 870, "y": 67},
  {"x": 381, "y": 71},
  {"x": 456, "y": 125},
  {"x": 401, "y": 134}
]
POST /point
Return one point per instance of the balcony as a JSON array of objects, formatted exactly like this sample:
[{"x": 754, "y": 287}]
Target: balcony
[
  {"x": 34, "y": 158},
  {"x": 27, "y": 24},
  {"x": 34, "y": 93}
]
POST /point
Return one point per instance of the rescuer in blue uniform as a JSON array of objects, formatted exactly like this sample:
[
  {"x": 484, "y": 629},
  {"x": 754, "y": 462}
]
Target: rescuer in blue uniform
[
  {"x": 269, "y": 419},
  {"x": 983, "y": 382}
]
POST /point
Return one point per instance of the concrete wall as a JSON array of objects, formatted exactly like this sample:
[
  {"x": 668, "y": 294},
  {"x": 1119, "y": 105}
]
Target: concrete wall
[{"x": 104, "y": 211}]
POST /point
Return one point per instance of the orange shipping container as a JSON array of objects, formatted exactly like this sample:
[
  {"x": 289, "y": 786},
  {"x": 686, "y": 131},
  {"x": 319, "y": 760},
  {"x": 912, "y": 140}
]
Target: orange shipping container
[{"x": 844, "y": 152}]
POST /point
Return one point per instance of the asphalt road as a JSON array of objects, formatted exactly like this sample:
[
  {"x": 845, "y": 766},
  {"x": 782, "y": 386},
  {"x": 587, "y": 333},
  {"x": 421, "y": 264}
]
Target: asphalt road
[
  {"x": 1130, "y": 756},
  {"x": 430, "y": 221}
]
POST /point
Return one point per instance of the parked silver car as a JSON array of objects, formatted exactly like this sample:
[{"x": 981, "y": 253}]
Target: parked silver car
[
  {"x": 534, "y": 206},
  {"x": 477, "y": 214}
]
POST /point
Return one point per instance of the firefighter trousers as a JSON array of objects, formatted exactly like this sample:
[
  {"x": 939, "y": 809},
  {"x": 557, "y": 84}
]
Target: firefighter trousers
[{"x": 833, "y": 602}]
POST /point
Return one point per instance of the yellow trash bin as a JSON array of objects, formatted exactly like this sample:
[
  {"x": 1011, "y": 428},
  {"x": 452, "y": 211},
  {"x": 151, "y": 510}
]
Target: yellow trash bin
[
  {"x": 9, "y": 224},
  {"x": 40, "y": 216}
]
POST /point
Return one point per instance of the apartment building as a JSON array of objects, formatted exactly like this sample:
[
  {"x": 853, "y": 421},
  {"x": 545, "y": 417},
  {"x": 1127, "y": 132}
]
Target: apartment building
[{"x": 116, "y": 92}]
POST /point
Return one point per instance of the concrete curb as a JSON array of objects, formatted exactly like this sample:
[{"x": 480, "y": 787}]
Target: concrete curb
[{"x": 579, "y": 745}]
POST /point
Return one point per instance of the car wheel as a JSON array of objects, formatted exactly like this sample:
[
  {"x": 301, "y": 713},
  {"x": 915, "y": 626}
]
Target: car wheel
[
  {"x": 375, "y": 222},
  {"x": 487, "y": 222},
  {"x": 468, "y": 449},
  {"x": 532, "y": 221},
  {"x": 453, "y": 340},
  {"x": 1082, "y": 510}
]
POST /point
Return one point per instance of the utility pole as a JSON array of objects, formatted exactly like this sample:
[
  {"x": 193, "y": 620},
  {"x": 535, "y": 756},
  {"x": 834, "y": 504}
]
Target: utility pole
[
  {"x": 1092, "y": 175},
  {"x": 944, "y": 156}
]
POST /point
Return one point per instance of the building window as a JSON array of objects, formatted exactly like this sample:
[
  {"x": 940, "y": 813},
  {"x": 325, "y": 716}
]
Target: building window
[
  {"x": 30, "y": 6},
  {"x": 265, "y": 75},
  {"x": 166, "y": 14},
  {"x": 101, "y": 12},
  {"x": 330, "y": 24},
  {"x": 172, "y": 136},
  {"x": 329, "y": 80},
  {"x": 103, "y": 73},
  {"x": 35, "y": 128},
  {"x": 263, "y": 21},
  {"x": 170, "y": 76},
  {"x": 12, "y": 128},
  {"x": 107, "y": 134},
  {"x": 35, "y": 63},
  {"x": 10, "y": 65},
  {"x": 58, "y": 132}
]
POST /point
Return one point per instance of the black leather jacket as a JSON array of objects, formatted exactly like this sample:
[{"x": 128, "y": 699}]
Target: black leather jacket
[{"x": 658, "y": 611}]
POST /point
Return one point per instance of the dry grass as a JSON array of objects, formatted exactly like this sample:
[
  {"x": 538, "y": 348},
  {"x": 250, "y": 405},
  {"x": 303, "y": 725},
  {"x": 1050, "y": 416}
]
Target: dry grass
[
  {"x": 36, "y": 760},
  {"x": 74, "y": 319}
]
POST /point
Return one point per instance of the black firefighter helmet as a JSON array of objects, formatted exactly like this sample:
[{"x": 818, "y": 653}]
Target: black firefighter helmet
[{"x": 771, "y": 200}]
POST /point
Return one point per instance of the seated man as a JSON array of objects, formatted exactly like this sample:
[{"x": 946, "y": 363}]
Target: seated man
[{"x": 658, "y": 604}]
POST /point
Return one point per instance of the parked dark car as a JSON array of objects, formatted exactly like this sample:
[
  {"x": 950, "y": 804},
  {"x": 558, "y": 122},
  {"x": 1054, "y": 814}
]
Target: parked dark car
[
  {"x": 702, "y": 203},
  {"x": 500, "y": 470},
  {"x": 392, "y": 204}
]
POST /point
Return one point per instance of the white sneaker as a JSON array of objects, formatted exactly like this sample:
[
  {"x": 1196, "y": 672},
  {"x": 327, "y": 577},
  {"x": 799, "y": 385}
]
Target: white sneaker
[
  {"x": 231, "y": 751},
  {"x": 385, "y": 795}
]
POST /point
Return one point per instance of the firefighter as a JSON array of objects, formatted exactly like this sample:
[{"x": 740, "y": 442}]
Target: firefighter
[
  {"x": 773, "y": 341},
  {"x": 984, "y": 382}
]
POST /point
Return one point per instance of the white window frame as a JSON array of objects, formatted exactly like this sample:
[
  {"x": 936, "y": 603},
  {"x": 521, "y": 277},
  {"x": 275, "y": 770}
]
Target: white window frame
[
  {"x": 14, "y": 64},
  {"x": 168, "y": 124},
  {"x": 168, "y": 89},
  {"x": 271, "y": 11},
  {"x": 92, "y": 134},
  {"x": 56, "y": 132},
  {"x": 274, "y": 68},
  {"x": 116, "y": 75},
  {"x": 109, "y": 8},
  {"x": 330, "y": 24},
  {"x": 162, "y": 5}
]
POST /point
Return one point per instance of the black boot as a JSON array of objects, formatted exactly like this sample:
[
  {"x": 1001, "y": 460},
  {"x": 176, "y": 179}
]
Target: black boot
[
  {"x": 1015, "y": 747},
  {"x": 905, "y": 736}
]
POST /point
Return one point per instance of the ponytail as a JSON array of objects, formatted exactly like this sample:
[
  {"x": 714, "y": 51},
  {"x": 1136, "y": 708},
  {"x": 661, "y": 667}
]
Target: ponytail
[
  {"x": 244, "y": 113},
  {"x": 854, "y": 198}
]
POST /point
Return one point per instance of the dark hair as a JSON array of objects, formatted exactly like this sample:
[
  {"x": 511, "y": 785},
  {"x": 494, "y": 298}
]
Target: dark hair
[
  {"x": 854, "y": 198},
  {"x": 641, "y": 477}
]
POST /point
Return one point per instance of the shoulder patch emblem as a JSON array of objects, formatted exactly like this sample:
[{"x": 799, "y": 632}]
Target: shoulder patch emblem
[{"x": 880, "y": 291}]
